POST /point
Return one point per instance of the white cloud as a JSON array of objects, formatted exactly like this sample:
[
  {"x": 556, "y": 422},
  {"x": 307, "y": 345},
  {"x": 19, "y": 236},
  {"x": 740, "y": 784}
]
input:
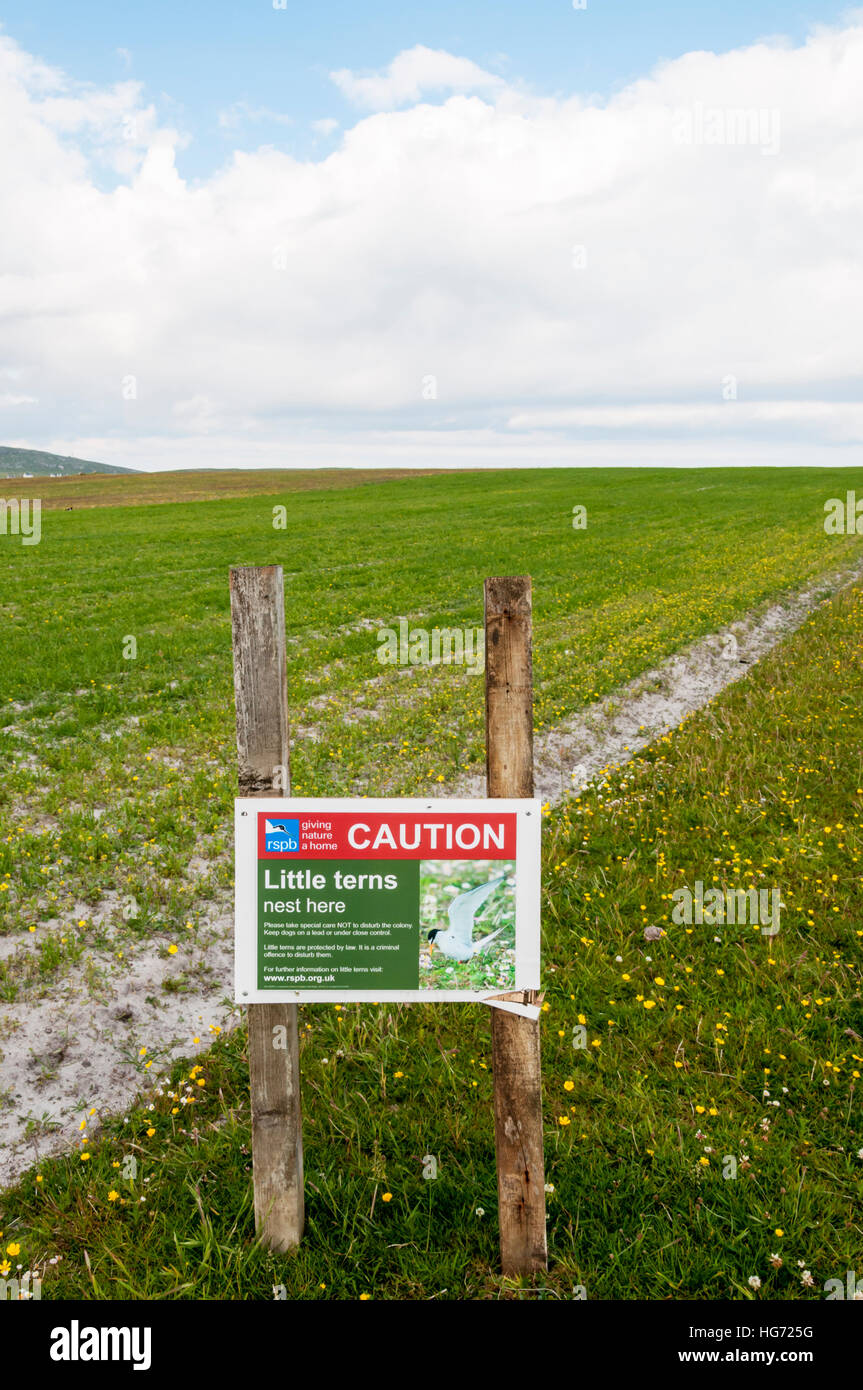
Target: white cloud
[
  {"x": 410, "y": 75},
  {"x": 326, "y": 126},
  {"x": 198, "y": 415},
  {"x": 241, "y": 113},
  {"x": 841, "y": 421},
  {"x": 581, "y": 283}
]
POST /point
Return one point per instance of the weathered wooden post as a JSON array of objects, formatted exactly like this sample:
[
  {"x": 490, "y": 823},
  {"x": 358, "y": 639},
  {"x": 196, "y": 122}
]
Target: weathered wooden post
[
  {"x": 514, "y": 1039},
  {"x": 261, "y": 693}
]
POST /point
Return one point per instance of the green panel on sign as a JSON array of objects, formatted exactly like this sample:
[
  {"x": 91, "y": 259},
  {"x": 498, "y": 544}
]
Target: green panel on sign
[{"x": 351, "y": 924}]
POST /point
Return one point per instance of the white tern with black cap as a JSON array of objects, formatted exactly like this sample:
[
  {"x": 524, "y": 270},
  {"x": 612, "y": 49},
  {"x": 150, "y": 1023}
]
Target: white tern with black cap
[{"x": 457, "y": 940}]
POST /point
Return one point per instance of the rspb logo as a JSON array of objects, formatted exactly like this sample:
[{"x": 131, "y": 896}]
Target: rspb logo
[{"x": 282, "y": 836}]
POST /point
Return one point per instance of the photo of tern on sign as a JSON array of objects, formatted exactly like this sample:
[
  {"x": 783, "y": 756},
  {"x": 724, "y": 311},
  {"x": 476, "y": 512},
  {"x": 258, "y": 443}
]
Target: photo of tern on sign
[{"x": 386, "y": 899}]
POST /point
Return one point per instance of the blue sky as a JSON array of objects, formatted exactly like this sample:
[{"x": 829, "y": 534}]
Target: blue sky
[{"x": 199, "y": 58}]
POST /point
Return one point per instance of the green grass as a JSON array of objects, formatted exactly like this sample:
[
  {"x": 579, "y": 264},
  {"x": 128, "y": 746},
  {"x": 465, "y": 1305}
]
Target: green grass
[
  {"x": 764, "y": 787},
  {"x": 131, "y": 489},
  {"x": 118, "y": 771}
]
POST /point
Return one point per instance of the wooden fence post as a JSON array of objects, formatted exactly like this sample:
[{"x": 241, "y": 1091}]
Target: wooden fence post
[
  {"x": 514, "y": 1039},
  {"x": 263, "y": 750}
]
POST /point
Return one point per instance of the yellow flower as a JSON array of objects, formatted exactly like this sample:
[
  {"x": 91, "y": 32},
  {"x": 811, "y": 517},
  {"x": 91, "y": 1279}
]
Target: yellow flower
[
  {"x": 650, "y": 1003},
  {"x": 172, "y": 950},
  {"x": 659, "y": 980},
  {"x": 13, "y": 1248},
  {"x": 84, "y": 1158},
  {"x": 563, "y": 1119},
  {"x": 5, "y": 1265},
  {"x": 364, "y": 1297},
  {"x": 779, "y": 1231},
  {"x": 386, "y": 1196},
  {"x": 569, "y": 1085},
  {"x": 113, "y": 1196},
  {"x": 398, "y": 1074},
  {"x": 150, "y": 1132}
]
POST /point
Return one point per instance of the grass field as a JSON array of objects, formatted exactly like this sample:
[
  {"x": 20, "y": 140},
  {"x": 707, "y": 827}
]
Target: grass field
[
  {"x": 118, "y": 771},
  {"x": 190, "y": 485}
]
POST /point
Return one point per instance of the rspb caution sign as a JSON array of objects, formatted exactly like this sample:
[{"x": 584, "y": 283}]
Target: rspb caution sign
[{"x": 340, "y": 900}]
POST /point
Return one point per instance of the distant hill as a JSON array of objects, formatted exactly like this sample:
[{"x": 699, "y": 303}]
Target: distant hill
[{"x": 35, "y": 463}]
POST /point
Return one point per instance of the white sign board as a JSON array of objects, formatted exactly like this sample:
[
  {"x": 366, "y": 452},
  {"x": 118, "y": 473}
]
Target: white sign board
[{"x": 372, "y": 899}]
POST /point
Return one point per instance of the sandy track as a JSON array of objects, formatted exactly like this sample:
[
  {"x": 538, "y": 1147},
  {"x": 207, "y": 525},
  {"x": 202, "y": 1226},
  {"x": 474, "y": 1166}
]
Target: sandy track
[{"x": 633, "y": 716}]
